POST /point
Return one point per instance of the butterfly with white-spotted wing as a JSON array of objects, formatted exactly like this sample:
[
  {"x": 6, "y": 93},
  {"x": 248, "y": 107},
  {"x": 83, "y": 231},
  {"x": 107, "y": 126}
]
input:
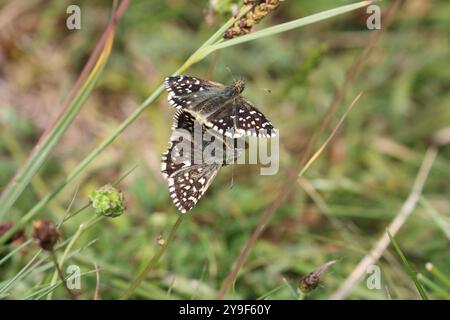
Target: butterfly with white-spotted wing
[
  {"x": 189, "y": 170},
  {"x": 219, "y": 107}
]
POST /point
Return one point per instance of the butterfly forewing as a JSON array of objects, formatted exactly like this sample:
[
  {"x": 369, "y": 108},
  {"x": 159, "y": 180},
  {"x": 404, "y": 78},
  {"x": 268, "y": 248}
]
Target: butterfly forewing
[
  {"x": 186, "y": 92},
  {"x": 218, "y": 107}
]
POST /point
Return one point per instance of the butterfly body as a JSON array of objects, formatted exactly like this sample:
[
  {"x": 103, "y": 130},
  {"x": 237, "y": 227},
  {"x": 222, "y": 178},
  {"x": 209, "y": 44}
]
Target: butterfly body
[
  {"x": 219, "y": 107},
  {"x": 189, "y": 165}
]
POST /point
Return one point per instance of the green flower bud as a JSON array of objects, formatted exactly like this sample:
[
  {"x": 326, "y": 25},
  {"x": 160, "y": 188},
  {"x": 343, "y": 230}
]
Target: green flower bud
[{"x": 108, "y": 201}]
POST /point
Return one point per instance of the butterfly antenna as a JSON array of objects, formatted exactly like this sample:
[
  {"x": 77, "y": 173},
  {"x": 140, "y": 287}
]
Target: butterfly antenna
[{"x": 231, "y": 73}]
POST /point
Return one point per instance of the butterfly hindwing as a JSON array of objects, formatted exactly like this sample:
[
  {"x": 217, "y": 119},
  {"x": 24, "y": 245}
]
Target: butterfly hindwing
[
  {"x": 187, "y": 186},
  {"x": 187, "y": 179},
  {"x": 181, "y": 140},
  {"x": 183, "y": 120}
]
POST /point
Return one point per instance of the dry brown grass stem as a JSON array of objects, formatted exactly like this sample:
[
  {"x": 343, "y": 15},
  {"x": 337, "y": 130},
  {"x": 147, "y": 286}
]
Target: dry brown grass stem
[
  {"x": 292, "y": 174},
  {"x": 381, "y": 245}
]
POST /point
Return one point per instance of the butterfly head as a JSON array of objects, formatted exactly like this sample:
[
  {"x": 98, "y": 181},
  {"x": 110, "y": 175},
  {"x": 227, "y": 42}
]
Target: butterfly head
[{"x": 238, "y": 86}]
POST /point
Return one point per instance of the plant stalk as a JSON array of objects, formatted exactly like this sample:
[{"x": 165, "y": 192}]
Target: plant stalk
[{"x": 153, "y": 261}]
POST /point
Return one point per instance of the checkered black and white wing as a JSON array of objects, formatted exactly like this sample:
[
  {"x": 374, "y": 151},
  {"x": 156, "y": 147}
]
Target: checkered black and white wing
[
  {"x": 241, "y": 118},
  {"x": 188, "y": 185},
  {"x": 185, "y": 92},
  {"x": 187, "y": 180},
  {"x": 179, "y": 152},
  {"x": 183, "y": 120}
]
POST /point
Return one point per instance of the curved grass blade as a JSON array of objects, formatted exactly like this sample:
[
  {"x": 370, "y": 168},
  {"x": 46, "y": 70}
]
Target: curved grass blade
[
  {"x": 201, "y": 53},
  {"x": 283, "y": 27},
  {"x": 408, "y": 267},
  {"x": 56, "y": 130}
]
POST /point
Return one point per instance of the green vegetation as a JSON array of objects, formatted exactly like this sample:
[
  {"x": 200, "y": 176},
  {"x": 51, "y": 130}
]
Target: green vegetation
[{"x": 117, "y": 122}]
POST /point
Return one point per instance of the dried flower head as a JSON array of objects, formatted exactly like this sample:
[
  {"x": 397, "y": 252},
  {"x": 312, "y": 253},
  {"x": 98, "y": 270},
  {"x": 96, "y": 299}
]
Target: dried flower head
[
  {"x": 260, "y": 9},
  {"x": 45, "y": 234},
  {"x": 310, "y": 282},
  {"x": 108, "y": 201},
  {"x": 17, "y": 238}
]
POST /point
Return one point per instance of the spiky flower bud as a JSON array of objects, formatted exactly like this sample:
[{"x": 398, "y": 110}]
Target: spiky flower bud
[
  {"x": 310, "y": 282},
  {"x": 245, "y": 24},
  {"x": 45, "y": 234},
  {"x": 108, "y": 201}
]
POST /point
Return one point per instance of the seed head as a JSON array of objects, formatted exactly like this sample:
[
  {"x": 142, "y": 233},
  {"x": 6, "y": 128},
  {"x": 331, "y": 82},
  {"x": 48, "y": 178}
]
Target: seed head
[
  {"x": 108, "y": 201},
  {"x": 310, "y": 282},
  {"x": 260, "y": 9},
  {"x": 45, "y": 234}
]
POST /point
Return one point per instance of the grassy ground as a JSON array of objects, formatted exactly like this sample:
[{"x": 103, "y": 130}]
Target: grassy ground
[{"x": 337, "y": 211}]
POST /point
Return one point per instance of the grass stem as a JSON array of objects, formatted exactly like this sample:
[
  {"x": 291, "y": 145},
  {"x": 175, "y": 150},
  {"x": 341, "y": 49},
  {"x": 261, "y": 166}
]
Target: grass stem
[
  {"x": 61, "y": 276},
  {"x": 153, "y": 261}
]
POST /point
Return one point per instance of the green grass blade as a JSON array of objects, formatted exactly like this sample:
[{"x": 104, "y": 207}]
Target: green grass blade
[
  {"x": 438, "y": 274},
  {"x": 197, "y": 56},
  {"x": 14, "y": 251},
  {"x": 40, "y": 291},
  {"x": 433, "y": 287},
  {"x": 42, "y": 151},
  {"x": 408, "y": 267},
  {"x": 37, "y": 267},
  {"x": 284, "y": 27},
  {"x": 437, "y": 218},
  {"x": 19, "y": 275},
  {"x": 219, "y": 33},
  {"x": 75, "y": 237}
]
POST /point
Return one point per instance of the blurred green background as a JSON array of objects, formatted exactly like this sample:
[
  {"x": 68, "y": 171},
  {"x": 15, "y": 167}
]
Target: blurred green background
[{"x": 358, "y": 184}]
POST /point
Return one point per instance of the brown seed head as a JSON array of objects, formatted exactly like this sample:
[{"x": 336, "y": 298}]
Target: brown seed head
[
  {"x": 45, "y": 234},
  {"x": 245, "y": 24},
  {"x": 311, "y": 281}
]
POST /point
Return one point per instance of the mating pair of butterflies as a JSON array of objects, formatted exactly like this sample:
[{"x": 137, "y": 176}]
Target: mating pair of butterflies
[{"x": 220, "y": 112}]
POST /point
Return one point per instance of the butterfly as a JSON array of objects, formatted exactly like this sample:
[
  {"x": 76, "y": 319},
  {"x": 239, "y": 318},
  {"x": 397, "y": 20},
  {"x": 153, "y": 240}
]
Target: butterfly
[
  {"x": 219, "y": 107},
  {"x": 193, "y": 159}
]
